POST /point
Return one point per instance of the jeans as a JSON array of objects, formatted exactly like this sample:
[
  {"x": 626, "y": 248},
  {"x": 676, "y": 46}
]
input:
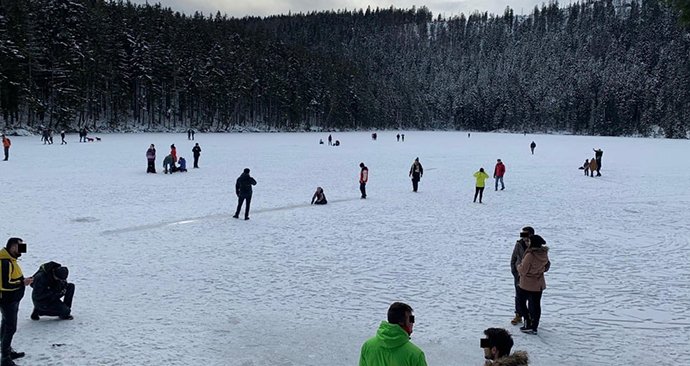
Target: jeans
[
  {"x": 363, "y": 189},
  {"x": 8, "y": 328},
  {"x": 240, "y": 200},
  {"x": 502, "y": 185},
  {"x": 530, "y": 307}
]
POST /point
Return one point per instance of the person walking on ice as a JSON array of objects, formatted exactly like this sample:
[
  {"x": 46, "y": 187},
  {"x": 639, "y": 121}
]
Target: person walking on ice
[
  {"x": 416, "y": 172},
  {"x": 481, "y": 183},
  {"x": 6, "y": 143},
  {"x": 598, "y": 153},
  {"x": 196, "y": 151},
  {"x": 243, "y": 190},
  {"x": 499, "y": 171},
  {"x": 532, "y": 146}
]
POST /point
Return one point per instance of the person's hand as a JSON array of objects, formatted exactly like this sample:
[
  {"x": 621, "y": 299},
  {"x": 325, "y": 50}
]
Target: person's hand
[{"x": 28, "y": 281}]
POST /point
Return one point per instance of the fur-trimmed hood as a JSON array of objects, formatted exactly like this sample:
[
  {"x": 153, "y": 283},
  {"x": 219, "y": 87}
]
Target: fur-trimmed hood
[{"x": 518, "y": 358}]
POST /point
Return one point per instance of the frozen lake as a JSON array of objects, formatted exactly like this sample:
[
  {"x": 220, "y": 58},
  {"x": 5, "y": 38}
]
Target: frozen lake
[{"x": 165, "y": 276}]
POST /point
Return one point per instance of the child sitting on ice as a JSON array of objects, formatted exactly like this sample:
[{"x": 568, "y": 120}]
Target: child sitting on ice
[{"x": 319, "y": 197}]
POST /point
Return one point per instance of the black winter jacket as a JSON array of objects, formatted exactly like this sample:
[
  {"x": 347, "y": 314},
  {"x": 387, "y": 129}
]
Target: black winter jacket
[{"x": 243, "y": 186}]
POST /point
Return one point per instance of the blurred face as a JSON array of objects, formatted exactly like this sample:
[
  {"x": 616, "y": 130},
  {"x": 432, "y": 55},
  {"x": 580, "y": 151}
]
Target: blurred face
[
  {"x": 408, "y": 325},
  {"x": 14, "y": 250},
  {"x": 490, "y": 353}
]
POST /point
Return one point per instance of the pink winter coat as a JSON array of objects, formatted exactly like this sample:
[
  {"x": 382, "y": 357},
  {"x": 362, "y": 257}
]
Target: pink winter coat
[{"x": 532, "y": 268}]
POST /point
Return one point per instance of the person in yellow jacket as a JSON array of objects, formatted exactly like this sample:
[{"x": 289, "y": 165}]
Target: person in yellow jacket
[
  {"x": 12, "y": 288},
  {"x": 481, "y": 183},
  {"x": 391, "y": 345}
]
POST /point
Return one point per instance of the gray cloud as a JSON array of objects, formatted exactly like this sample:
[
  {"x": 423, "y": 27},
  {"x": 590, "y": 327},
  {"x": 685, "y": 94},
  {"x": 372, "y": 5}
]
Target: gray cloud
[{"x": 240, "y": 8}]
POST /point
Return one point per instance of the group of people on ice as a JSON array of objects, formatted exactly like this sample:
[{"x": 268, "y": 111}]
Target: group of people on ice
[
  {"x": 171, "y": 163},
  {"x": 528, "y": 263}
]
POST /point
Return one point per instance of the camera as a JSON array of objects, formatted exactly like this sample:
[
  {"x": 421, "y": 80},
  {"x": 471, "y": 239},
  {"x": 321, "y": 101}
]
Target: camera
[
  {"x": 484, "y": 343},
  {"x": 524, "y": 235},
  {"x": 21, "y": 247}
]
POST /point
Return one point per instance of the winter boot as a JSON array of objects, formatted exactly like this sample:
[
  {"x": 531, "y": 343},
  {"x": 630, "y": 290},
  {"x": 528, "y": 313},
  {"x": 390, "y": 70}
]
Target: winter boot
[
  {"x": 34, "y": 315},
  {"x": 15, "y": 355},
  {"x": 516, "y": 320}
]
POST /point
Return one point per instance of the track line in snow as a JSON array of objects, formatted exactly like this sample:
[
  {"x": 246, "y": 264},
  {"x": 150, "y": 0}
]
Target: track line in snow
[{"x": 210, "y": 217}]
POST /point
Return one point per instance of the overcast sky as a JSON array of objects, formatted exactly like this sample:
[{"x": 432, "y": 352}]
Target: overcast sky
[{"x": 240, "y": 8}]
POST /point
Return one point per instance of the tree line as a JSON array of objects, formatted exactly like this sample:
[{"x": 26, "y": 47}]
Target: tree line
[{"x": 605, "y": 67}]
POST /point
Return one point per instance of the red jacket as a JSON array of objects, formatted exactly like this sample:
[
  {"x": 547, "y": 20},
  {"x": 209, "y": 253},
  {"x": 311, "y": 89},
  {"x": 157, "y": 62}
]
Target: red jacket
[
  {"x": 364, "y": 175},
  {"x": 6, "y": 142},
  {"x": 499, "y": 170}
]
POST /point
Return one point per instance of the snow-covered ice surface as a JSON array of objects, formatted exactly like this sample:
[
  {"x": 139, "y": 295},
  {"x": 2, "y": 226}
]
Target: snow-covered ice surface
[{"x": 165, "y": 276}]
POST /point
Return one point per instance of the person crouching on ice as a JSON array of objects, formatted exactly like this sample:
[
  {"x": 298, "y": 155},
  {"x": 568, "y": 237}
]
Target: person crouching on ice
[
  {"x": 319, "y": 197},
  {"x": 50, "y": 284},
  {"x": 182, "y": 164}
]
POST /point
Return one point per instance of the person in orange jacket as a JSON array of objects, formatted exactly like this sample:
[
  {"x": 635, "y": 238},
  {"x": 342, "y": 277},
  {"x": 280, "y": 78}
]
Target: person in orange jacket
[{"x": 6, "y": 143}]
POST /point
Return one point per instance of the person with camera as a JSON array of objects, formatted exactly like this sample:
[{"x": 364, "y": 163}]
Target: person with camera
[
  {"x": 532, "y": 283},
  {"x": 515, "y": 259},
  {"x": 497, "y": 346},
  {"x": 391, "y": 345},
  {"x": 12, "y": 287},
  {"x": 50, "y": 285}
]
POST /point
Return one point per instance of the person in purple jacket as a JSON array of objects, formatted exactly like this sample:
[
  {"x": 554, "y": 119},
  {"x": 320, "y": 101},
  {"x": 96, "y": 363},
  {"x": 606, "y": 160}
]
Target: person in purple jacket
[{"x": 151, "y": 158}]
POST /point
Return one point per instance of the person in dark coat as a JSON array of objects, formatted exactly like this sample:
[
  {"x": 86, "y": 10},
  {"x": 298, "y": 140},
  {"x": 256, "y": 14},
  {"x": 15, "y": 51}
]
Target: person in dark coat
[
  {"x": 243, "y": 189},
  {"x": 62, "y": 136},
  {"x": 50, "y": 285},
  {"x": 532, "y": 146},
  {"x": 151, "y": 159},
  {"x": 196, "y": 150},
  {"x": 319, "y": 197},
  {"x": 515, "y": 259},
  {"x": 330, "y": 140},
  {"x": 416, "y": 172}
]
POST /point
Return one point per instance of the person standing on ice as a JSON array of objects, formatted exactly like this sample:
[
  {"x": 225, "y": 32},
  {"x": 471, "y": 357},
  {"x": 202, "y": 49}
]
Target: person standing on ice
[
  {"x": 330, "y": 140},
  {"x": 598, "y": 153},
  {"x": 585, "y": 166},
  {"x": 515, "y": 259},
  {"x": 532, "y": 283},
  {"x": 397, "y": 137},
  {"x": 151, "y": 159},
  {"x": 363, "y": 179},
  {"x": 391, "y": 345},
  {"x": 481, "y": 177},
  {"x": 499, "y": 171},
  {"x": 62, "y": 136},
  {"x": 173, "y": 153},
  {"x": 416, "y": 172},
  {"x": 6, "y": 143},
  {"x": 196, "y": 150},
  {"x": 532, "y": 146},
  {"x": 13, "y": 286},
  {"x": 243, "y": 190}
]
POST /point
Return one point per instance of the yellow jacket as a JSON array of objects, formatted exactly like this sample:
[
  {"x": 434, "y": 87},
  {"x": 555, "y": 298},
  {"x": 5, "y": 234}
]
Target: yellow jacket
[
  {"x": 481, "y": 177},
  {"x": 12, "y": 283}
]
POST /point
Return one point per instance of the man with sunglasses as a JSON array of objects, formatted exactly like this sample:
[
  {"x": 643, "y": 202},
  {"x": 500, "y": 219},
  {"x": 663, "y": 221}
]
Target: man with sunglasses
[{"x": 391, "y": 345}]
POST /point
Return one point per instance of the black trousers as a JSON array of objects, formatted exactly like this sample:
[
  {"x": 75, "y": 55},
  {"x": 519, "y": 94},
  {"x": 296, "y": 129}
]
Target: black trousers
[
  {"x": 196, "y": 161},
  {"x": 530, "y": 307},
  {"x": 151, "y": 167},
  {"x": 415, "y": 185},
  {"x": 8, "y": 328},
  {"x": 478, "y": 191},
  {"x": 240, "y": 200},
  {"x": 363, "y": 189},
  {"x": 598, "y": 167},
  {"x": 57, "y": 307},
  {"x": 7, "y": 153}
]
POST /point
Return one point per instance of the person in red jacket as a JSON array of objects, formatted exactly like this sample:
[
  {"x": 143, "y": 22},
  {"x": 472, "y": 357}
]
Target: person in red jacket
[
  {"x": 363, "y": 179},
  {"x": 173, "y": 153},
  {"x": 499, "y": 171},
  {"x": 6, "y": 143}
]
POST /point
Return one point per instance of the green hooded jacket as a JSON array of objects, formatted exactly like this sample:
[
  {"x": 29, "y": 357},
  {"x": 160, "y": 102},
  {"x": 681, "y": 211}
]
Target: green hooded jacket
[{"x": 391, "y": 347}]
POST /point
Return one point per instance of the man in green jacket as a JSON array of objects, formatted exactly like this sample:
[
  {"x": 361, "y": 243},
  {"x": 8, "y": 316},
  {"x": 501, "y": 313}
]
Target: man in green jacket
[{"x": 391, "y": 346}]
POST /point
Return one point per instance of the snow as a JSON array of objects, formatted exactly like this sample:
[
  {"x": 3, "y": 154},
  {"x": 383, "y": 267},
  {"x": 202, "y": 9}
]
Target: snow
[{"x": 165, "y": 276}]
